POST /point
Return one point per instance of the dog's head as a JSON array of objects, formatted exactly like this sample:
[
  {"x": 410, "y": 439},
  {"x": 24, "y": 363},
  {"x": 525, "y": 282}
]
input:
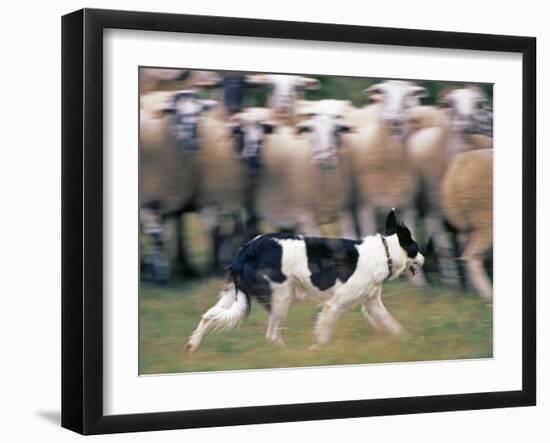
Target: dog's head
[{"x": 412, "y": 256}]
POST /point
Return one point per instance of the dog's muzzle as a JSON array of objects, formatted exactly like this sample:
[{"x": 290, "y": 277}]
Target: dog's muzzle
[{"x": 418, "y": 261}]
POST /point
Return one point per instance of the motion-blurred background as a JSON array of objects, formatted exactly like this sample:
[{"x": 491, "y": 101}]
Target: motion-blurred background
[{"x": 225, "y": 156}]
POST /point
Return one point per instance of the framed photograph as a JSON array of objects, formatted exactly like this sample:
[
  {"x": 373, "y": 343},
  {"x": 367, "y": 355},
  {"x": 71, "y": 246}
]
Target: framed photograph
[{"x": 269, "y": 221}]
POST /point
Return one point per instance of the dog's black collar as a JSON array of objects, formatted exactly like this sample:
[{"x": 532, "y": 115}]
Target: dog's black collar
[{"x": 390, "y": 261}]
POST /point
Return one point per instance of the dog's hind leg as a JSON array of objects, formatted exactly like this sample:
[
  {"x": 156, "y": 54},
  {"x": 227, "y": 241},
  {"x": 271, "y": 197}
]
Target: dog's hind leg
[
  {"x": 281, "y": 299},
  {"x": 378, "y": 315}
]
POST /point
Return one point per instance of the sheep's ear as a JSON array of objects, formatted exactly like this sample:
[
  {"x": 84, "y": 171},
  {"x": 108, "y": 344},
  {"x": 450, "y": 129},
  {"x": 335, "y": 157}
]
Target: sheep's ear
[
  {"x": 444, "y": 100},
  {"x": 344, "y": 128},
  {"x": 310, "y": 83},
  {"x": 303, "y": 127},
  {"x": 208, "y": 81},
  {"x": 170, "y": 104},
  {"x": 168, "y": 107},
  {"x": 208, "y": 104},
  {"x": 477, "y": 89},
  {"x": 391, "y": 223},
  {"x": 444, "y": 103},
  {"x": 234, "y": 123},
  {"x": 258, "y": 80},
  {"x": 419, "y": 91},
  {"x": 374, "y": 93},
  {"x": 304, "y": 108},
  {"x": 184, "y": 93}
]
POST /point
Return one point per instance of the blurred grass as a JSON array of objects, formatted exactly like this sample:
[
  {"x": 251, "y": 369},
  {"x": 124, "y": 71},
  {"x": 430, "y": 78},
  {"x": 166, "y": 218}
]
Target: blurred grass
[{"x": 440, "y": 326}]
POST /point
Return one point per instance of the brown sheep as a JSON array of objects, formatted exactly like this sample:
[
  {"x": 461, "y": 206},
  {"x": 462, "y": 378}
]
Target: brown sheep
[
  {"x": 438, "y": 134},
  {"x": 467, "y": 201}
]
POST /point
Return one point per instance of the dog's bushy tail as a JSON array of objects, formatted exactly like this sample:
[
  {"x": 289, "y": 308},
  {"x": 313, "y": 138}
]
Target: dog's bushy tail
[
  {"x": 231, "y": 308},
  {"x": 234, "y": 301}
]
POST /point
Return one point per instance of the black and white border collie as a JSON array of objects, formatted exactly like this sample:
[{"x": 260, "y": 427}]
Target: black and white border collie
[{"x": 337, "y": 273}]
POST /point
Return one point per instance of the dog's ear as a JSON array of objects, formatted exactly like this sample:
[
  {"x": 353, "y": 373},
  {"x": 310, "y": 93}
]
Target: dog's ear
[{"x": 391, "y": 223}]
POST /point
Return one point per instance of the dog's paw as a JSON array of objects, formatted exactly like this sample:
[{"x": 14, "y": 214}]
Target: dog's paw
[
  {"x": 315, "y": 347},
  {"x": 189, "y": 348},
  {"x": 276, "y": 341}
]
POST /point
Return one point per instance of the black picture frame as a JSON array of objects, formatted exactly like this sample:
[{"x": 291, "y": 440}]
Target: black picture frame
[{"x": 82, "y": 220}]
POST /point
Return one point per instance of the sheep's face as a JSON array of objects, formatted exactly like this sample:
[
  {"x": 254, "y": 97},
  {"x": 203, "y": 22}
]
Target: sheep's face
[
  {"x": 410, "y": 251},
  {"x": 184, "y": 110},
  {"x": 396, "y": 98},
  {"x": 286, "y": 89},
  {"x": 325, "y": 135},
  {"x": 468, "y": 109},
  {"x": 249, "y": 134},
  {"x": 325, "y": 123}
]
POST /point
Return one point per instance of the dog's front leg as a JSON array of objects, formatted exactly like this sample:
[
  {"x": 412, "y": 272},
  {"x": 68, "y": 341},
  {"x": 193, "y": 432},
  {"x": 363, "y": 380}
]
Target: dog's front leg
[
  {"x": 330, "y": 313},
  {"x": 377, "y": 314},
  {"x": 325, "y": 323}
]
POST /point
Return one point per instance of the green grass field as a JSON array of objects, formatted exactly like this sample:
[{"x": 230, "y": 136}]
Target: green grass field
[{"x": 440, "y": 325}]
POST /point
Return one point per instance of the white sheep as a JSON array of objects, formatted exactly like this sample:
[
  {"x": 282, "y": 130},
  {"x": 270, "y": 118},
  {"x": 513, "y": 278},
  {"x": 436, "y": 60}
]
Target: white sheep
[
  {"x": 383, "y": 175},
  {"x": 169, "y": 167},
  {"x": 382, "y": 171},
  {"x": 302, "y": 179},
  {"x": 327, "y": 183},
  {"x": 286, "y": 91}
]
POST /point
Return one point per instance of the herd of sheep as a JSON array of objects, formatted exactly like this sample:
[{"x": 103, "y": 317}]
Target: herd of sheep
[{"x": 298, "y": 165}]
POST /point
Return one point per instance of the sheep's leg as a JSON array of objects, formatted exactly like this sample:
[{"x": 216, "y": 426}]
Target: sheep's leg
[
  {"x": 184, "y": 263},
  {"x": 347, "y": 226},
  {"x": 211, "y": 220},
  {"x": 230, "y": 239},
  {"x": 478, "y": 245},
  {"x": 479, "y": 277},
  {"x": 409, "y": 217},
  {"x": 222, "y": 232},
  {"x": 444, "y": 249},
  {"x": 377, "y": 314},
  {"x": 367, "y": 220},
  {"x": 176, "y": 245},
  {"x": 155, "y": 227},
  {"x": 171, "y": 237},
  {"x": 308, "y": 225},
  {"x": 216, "y": 245},
  {"x": 281, "y": 299}
]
